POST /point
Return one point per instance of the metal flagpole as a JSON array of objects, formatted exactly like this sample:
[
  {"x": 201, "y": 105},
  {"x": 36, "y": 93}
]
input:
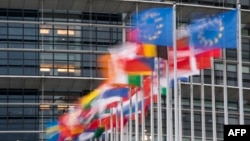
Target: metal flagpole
[
  {"x": 121, "y": 121},
  {"x": 136, "y": 118},
  {"x": 116, "y": 125},
  {"x": 111, "y": 125},
  {"x": 136, "y": 99},
  {"x": 225, "y": 100},
  {"x": 151, "y": 108},
  {"x": 169, "y": 105},
  {"x": 241, "y": 106},
  {"x": 203, "y": 129},
  {"x": 142, "y": 111},
  {"x": 130, "y": 116},
  {"x": 176, "y": 125},
  {"x": 180, "y": 116},
  {"x": 159, "y": 110},
  {"x": 106, "y": 134},
  {"x": 192, "y": 108},
  {"x": 126, "y": 132},
  {"x": 213, "y": 102}
]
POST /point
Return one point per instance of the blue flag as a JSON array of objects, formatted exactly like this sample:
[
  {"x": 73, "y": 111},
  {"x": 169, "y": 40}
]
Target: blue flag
[
  {"x": 155, "y": 26},
  {"x": 182, "y": 79},
  {"x": 215, "y": 31}
]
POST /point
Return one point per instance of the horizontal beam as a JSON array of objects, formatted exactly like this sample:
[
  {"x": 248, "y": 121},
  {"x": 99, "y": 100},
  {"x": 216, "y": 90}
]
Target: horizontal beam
[
  {"x": 52, "y": 51},
  {"x": 50, "y": 77},
  {"x": 64, "y": 24},
  {"x": 21, "y": 131},
  {"x": 38, "y": 104}
]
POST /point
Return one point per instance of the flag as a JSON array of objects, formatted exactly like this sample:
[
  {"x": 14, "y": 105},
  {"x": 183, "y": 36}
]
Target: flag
[
  {"x": 124, "y": 57},
  {"x": 52, "y": 131},
  {"x": 99, "y": 132},
  {"x": 182, "y": 79},
  {"x": 114, "y": 73},
  {"x": 151, "y": 50},
  {"x": 138, "y": 65},
  {"x": 125, "y": 79},
  {"x": 86, "y": 136},
  {"x": 113, "y": 91},
  {"x": 215, "y": 31},
  {"x": 86, "y": 100},
  {"x": 154, "y": 26}
]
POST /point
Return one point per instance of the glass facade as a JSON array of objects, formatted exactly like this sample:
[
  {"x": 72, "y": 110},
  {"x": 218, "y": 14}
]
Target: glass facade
[
  {"x": 54, "y": 50},
  {"x": 65, "y": 44}
]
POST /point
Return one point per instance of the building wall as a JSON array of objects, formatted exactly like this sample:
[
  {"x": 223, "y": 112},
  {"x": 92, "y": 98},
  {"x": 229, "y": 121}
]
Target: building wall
[{"x": 60, "y": 48}]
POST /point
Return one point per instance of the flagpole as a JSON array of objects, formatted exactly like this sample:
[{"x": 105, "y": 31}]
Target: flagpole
[
  {"x": 136, "y": 97},
  {"x": 121, "y": 121},
  {"x": 241, "y": 106},
  {"x": 126, "y": 131},
  {"x": 111, "y": 125},
  {"x": 192, "y": 107},
  {"x": 175, "y": 76},
  {"x": 130, "y": 116},
  {"x": 225, "y": 99},
  {"x": 180, "y": 116},
  {"x": 213, "y": 102},
  {"x": 151, "y": 108},
  {"x": 106, "y": 134},
  {"x": 203, "y": 129},
  {"x": 169, "y": 105},
  {"x": 136, "y": 118},
  {"x": 159, "y": 120},
  {"x": 116, "y": 126},
  {"x": 142, "y": 110}
]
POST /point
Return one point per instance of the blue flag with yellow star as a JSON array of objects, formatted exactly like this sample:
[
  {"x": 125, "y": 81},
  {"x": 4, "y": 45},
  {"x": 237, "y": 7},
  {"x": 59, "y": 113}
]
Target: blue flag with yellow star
[
  {"x": 154, "y": 26},
  {"x": 215, "y": 31}
]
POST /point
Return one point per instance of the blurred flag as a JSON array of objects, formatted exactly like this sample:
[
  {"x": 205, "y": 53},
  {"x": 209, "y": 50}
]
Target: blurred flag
[
  {"x": 52, "y": 131},
  {"x": 124, "y": 57},
  {"x": 86, "y": 136},
  {"x": 99, "y": 131},
  {"x": 154, "y": 26},
  {"x": 124, "y": 79},
  {"x": 86, "y": 100},
  {"x": 151, "y": 50},
  {"x": 215, "y": 31},
  {"x": 121, "y": 92},
  {"x": 138, "y": 65},
  {"x": 182, "y": 79}
]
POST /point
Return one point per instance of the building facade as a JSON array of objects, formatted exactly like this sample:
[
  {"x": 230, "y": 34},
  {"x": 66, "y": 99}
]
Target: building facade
[{"x": 48, "y": 60}]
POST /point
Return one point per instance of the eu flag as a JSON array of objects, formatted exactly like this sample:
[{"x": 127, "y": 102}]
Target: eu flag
[
  {"x": 215, "y": 31},
  {"x": 155, "y": 26}
]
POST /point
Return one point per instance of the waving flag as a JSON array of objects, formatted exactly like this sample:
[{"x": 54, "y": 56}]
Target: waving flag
[
  {"x": 154, "y": 26},
  {"x": 151, "y": 50},
  {"x": 215, "y": 31},
  {"x": 125, "y": 57}
]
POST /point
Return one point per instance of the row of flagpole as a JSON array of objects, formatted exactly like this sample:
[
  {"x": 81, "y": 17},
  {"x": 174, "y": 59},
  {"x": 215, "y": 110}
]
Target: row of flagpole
[{"x": 177, "y": 101}]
